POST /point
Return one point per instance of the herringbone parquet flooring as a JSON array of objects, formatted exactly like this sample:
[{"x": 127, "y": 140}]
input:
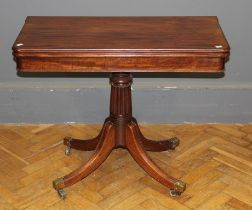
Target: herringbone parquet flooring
[{"x": 214, "y": 160}]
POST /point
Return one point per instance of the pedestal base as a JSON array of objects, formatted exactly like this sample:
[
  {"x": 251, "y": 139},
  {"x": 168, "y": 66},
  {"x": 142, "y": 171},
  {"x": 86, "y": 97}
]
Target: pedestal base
[{"x": 120, "y": 130}]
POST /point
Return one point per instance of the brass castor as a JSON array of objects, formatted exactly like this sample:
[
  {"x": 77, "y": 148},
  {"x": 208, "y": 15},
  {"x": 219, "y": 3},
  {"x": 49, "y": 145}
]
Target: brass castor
[
  {"x": 174, "y": 142},
  {"x": 180, "y": 187},
  {"x": 62, "y": 194},
  {"x": 174, "y": 193},
  {"x": 58, "y": 184},
  {"x": 68, "y": 149}
]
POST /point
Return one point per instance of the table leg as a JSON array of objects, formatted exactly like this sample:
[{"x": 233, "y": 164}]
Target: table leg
[
  {"x": 103, "y": 149},
  {"x": 154, "y": 145},
  {"x": 136, "y": 149},
  {"x": 84, "y": 145}
]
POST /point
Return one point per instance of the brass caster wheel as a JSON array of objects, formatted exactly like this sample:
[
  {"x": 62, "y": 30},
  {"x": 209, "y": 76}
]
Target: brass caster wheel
[
  {"x": 62, "y": 194},
  {"x": 174, "y": 193},
  {"x": 174, "y": 142},
  {"x": 68, "y": 151},
  {"x": 179, "y": 188},
  {"x": 58, "y": 184}
]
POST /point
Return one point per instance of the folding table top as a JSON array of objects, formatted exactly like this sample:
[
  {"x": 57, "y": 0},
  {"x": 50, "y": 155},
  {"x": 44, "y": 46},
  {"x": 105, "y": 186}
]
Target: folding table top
[{"x": 121, "y": 44}]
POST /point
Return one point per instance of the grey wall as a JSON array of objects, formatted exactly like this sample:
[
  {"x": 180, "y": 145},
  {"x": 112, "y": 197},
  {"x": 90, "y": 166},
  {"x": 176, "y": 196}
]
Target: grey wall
[{"x": 157, "y": 98}]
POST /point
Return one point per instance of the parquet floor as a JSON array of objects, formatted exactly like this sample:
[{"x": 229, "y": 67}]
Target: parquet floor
[{"x": 214, "y": 160}]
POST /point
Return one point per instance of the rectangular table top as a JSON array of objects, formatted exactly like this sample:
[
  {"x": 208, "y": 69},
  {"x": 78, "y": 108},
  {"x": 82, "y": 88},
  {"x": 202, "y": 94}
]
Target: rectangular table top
[{"x": 126, "y": 44}]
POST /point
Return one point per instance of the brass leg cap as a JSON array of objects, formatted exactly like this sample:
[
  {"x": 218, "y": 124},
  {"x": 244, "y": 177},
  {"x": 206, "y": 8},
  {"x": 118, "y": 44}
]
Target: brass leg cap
[
  {"x": 58, "y": 184},
  {"x": 174, "y": 142},
  {"x": 179, "y": 188},
  {"x": 67, "y": 140}
]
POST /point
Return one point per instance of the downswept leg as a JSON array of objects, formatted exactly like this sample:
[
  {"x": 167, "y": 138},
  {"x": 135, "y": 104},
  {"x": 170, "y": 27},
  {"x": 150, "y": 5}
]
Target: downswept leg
[
  {"x": 136, "y": 150},
  {"x": 156, "y": 146},
  {"x": 84, "y": 145},
  {"x": 103, "y": 149}
]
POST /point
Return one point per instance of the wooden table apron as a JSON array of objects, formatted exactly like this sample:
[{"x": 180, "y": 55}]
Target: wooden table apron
[{"x": 121, "y": 45}]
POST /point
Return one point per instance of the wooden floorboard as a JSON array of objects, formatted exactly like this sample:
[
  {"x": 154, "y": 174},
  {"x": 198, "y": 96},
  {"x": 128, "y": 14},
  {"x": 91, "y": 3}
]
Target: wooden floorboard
[{"x": 215, "y": 160}]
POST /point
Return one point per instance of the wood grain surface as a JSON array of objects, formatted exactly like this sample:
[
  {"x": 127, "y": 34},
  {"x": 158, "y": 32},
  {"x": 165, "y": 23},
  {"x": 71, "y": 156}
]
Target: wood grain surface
[{"x": 128, "y": 44}]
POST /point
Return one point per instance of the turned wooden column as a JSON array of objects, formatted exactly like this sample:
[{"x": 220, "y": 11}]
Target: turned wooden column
[{"x": 120, "y": 104}]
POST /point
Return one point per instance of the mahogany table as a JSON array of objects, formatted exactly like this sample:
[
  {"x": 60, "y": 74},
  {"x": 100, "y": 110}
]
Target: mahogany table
[{"x": 121, "y": 45}]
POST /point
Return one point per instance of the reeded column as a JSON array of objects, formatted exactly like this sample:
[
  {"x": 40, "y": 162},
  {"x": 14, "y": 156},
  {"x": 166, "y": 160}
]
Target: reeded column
[{"x": 120, "y": 104}]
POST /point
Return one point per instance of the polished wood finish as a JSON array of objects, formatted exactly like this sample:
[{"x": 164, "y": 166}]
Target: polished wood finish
[
  {"x": 121, "y": 45},
  {"x": 103, "y": 149},
  {"x": 130, "y": 44}
]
